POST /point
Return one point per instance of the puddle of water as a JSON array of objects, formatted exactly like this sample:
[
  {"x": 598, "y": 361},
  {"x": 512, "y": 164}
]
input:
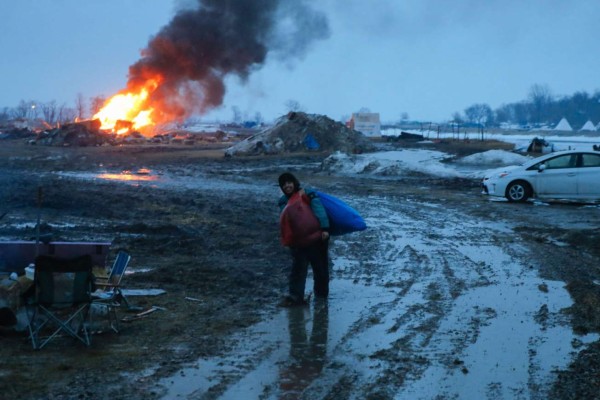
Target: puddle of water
[
  {"x": 127, "y": 177},
  {"x": 24, "y": 225},
  {"x": 499, "y": 362},
  {"x": 172, "y": 181},
  {"x": 264, "y": 364},
  {"x": 271, "y": 359}
]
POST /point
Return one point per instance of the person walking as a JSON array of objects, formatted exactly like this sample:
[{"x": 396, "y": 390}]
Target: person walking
[{"x": 305, "y": 230}]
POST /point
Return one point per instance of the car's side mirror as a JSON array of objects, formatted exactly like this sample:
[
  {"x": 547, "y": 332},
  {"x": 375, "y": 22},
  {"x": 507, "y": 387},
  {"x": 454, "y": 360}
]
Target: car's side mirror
[{"x": 542, "y": 167}]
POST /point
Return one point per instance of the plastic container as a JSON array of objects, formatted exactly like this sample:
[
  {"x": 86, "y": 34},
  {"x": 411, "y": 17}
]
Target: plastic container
[{"x": 30, "y": 271}]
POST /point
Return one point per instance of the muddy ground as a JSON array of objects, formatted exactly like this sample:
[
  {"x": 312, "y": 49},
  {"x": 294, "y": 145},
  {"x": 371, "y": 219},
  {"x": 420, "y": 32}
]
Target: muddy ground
[{"x": 217, "y": 255}]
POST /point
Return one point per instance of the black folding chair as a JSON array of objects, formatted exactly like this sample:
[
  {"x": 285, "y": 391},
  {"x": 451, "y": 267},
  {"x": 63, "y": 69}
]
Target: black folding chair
[{"x": 62, "y": 299}]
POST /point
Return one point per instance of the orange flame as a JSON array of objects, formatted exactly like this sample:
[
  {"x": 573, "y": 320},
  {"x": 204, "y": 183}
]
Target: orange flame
[{"x": 128, "y": 106}]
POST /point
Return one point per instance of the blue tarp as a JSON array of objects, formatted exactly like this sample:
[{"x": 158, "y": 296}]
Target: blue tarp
[{"x": 311, "y": 143}]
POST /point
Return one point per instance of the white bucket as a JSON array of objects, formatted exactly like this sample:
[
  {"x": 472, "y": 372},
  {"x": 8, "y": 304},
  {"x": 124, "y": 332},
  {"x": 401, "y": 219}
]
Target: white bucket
[{"x": 30, "y": 271}]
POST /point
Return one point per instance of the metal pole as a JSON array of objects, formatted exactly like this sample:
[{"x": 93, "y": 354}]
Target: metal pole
[{"x": 39, "y": 217}]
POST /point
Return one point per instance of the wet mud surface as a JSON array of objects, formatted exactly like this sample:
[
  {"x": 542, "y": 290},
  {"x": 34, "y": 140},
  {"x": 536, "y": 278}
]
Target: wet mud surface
[{"x": 418, "y": 304}]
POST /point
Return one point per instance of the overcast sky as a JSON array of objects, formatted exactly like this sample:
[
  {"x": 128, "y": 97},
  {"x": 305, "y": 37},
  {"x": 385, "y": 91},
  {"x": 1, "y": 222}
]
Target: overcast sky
[{"x": 427, "y": 58}]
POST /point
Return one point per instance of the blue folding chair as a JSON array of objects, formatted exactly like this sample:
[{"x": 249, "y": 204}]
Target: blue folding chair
[{"x": 109, "y": 294}]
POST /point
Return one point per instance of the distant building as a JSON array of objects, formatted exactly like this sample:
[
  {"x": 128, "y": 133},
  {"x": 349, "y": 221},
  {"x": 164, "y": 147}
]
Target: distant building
[{"x": 366, "y": 123}]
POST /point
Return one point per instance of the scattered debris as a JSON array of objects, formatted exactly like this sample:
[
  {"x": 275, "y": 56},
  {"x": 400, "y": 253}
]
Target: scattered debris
[
  {"x": 404, "y": 136},
  {"x": 17, "y": 133},
  {"x": 22, "y": 128},
  {"x": 540, "y": 145},
  {"x": 142, "y": 314},
  {"x": 89, "y": 133},
  {"x": 143, "y": 292}
]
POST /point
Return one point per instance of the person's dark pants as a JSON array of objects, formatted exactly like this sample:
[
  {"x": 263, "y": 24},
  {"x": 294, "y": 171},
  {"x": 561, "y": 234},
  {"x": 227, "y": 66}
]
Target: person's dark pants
[{"x": 317, "y": 256}]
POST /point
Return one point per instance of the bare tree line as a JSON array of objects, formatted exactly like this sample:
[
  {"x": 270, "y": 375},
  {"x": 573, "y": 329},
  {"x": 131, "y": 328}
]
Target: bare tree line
[
  {"x": 52, "y": 112},
  {"x": 541, "y": 108}
]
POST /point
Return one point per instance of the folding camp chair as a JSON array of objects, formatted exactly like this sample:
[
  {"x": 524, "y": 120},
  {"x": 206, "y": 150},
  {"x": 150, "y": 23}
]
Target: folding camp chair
[
  {"x": 61, "y": 299},
  {"x": 109, "y": 294},
  {"x": 116, "y": 272}
]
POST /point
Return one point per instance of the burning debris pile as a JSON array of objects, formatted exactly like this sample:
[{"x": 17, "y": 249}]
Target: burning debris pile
[
  {"x": 183, "y": 69},
  {"x": 90, "y": 133},
  {"x": 298, "y": 131}
]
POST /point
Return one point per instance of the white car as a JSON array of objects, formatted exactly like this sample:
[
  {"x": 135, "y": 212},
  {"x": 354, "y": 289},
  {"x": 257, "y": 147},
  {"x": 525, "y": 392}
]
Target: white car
[{"x": 564, "y": 175}]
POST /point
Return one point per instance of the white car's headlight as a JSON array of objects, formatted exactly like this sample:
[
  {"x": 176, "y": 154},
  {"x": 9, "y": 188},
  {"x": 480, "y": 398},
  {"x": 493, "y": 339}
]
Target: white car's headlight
[{"x": 495, "y": 176}]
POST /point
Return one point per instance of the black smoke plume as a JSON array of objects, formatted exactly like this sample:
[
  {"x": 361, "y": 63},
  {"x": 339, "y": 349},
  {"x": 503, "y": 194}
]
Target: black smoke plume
[{"x": 200, "y": 47}]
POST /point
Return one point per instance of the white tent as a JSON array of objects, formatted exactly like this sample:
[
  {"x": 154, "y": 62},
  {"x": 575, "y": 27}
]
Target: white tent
[
  {"x": 588, "y": 126},
  {"x": 598, "y": 126},
  {"x": 563, "y": 125}
]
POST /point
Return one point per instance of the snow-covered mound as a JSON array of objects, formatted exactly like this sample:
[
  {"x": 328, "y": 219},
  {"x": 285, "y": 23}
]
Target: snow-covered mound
[
  {"x": 391, "y": 163},
  {"x": 494, "y": 157},
  {"x": 427, "y": 162}
]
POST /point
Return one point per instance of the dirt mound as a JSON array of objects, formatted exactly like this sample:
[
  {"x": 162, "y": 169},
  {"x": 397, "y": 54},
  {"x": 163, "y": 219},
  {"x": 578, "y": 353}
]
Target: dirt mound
[{"x": 299, "y": 132}]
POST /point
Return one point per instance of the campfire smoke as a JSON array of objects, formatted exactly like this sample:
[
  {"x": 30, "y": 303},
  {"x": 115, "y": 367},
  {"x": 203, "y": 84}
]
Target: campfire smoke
[{"x": 182, "y": 70}]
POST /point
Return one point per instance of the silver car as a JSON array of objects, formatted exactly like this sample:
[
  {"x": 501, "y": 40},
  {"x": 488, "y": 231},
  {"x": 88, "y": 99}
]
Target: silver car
[{"x": 564, "y": 175}]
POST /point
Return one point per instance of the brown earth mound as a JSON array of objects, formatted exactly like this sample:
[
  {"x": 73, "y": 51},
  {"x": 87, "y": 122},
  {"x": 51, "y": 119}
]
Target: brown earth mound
[{"x": 299, "y": 132}]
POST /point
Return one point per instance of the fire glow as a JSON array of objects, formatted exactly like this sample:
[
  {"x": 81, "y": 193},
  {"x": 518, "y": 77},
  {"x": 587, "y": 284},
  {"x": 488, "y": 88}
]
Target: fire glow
[{"x": 128, "y": 110}]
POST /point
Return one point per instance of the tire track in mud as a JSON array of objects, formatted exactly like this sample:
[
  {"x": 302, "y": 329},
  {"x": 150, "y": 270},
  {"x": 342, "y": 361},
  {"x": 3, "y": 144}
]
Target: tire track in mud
[
  {"x": 416, "y": 262},
  {"x": 427, "y": 257},
  {"x": 408, "y": 271},
  {"x": 404, "y": 315}
]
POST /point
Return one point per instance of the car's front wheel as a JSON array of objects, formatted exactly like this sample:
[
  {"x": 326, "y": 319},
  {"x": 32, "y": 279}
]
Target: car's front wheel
[{"x": 518, "y": 191}]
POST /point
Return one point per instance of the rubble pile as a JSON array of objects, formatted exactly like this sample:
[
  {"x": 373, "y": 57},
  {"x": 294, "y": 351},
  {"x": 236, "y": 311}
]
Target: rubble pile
[
  {"x": 16, "y": 133},
  {"x": 300, "y": 132},
  {"x": 88, "y": 133},
  {"x": 190, "y": 138},
  {"x": 85, "y": 133},
  {"x": 21, "y": 128}
]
